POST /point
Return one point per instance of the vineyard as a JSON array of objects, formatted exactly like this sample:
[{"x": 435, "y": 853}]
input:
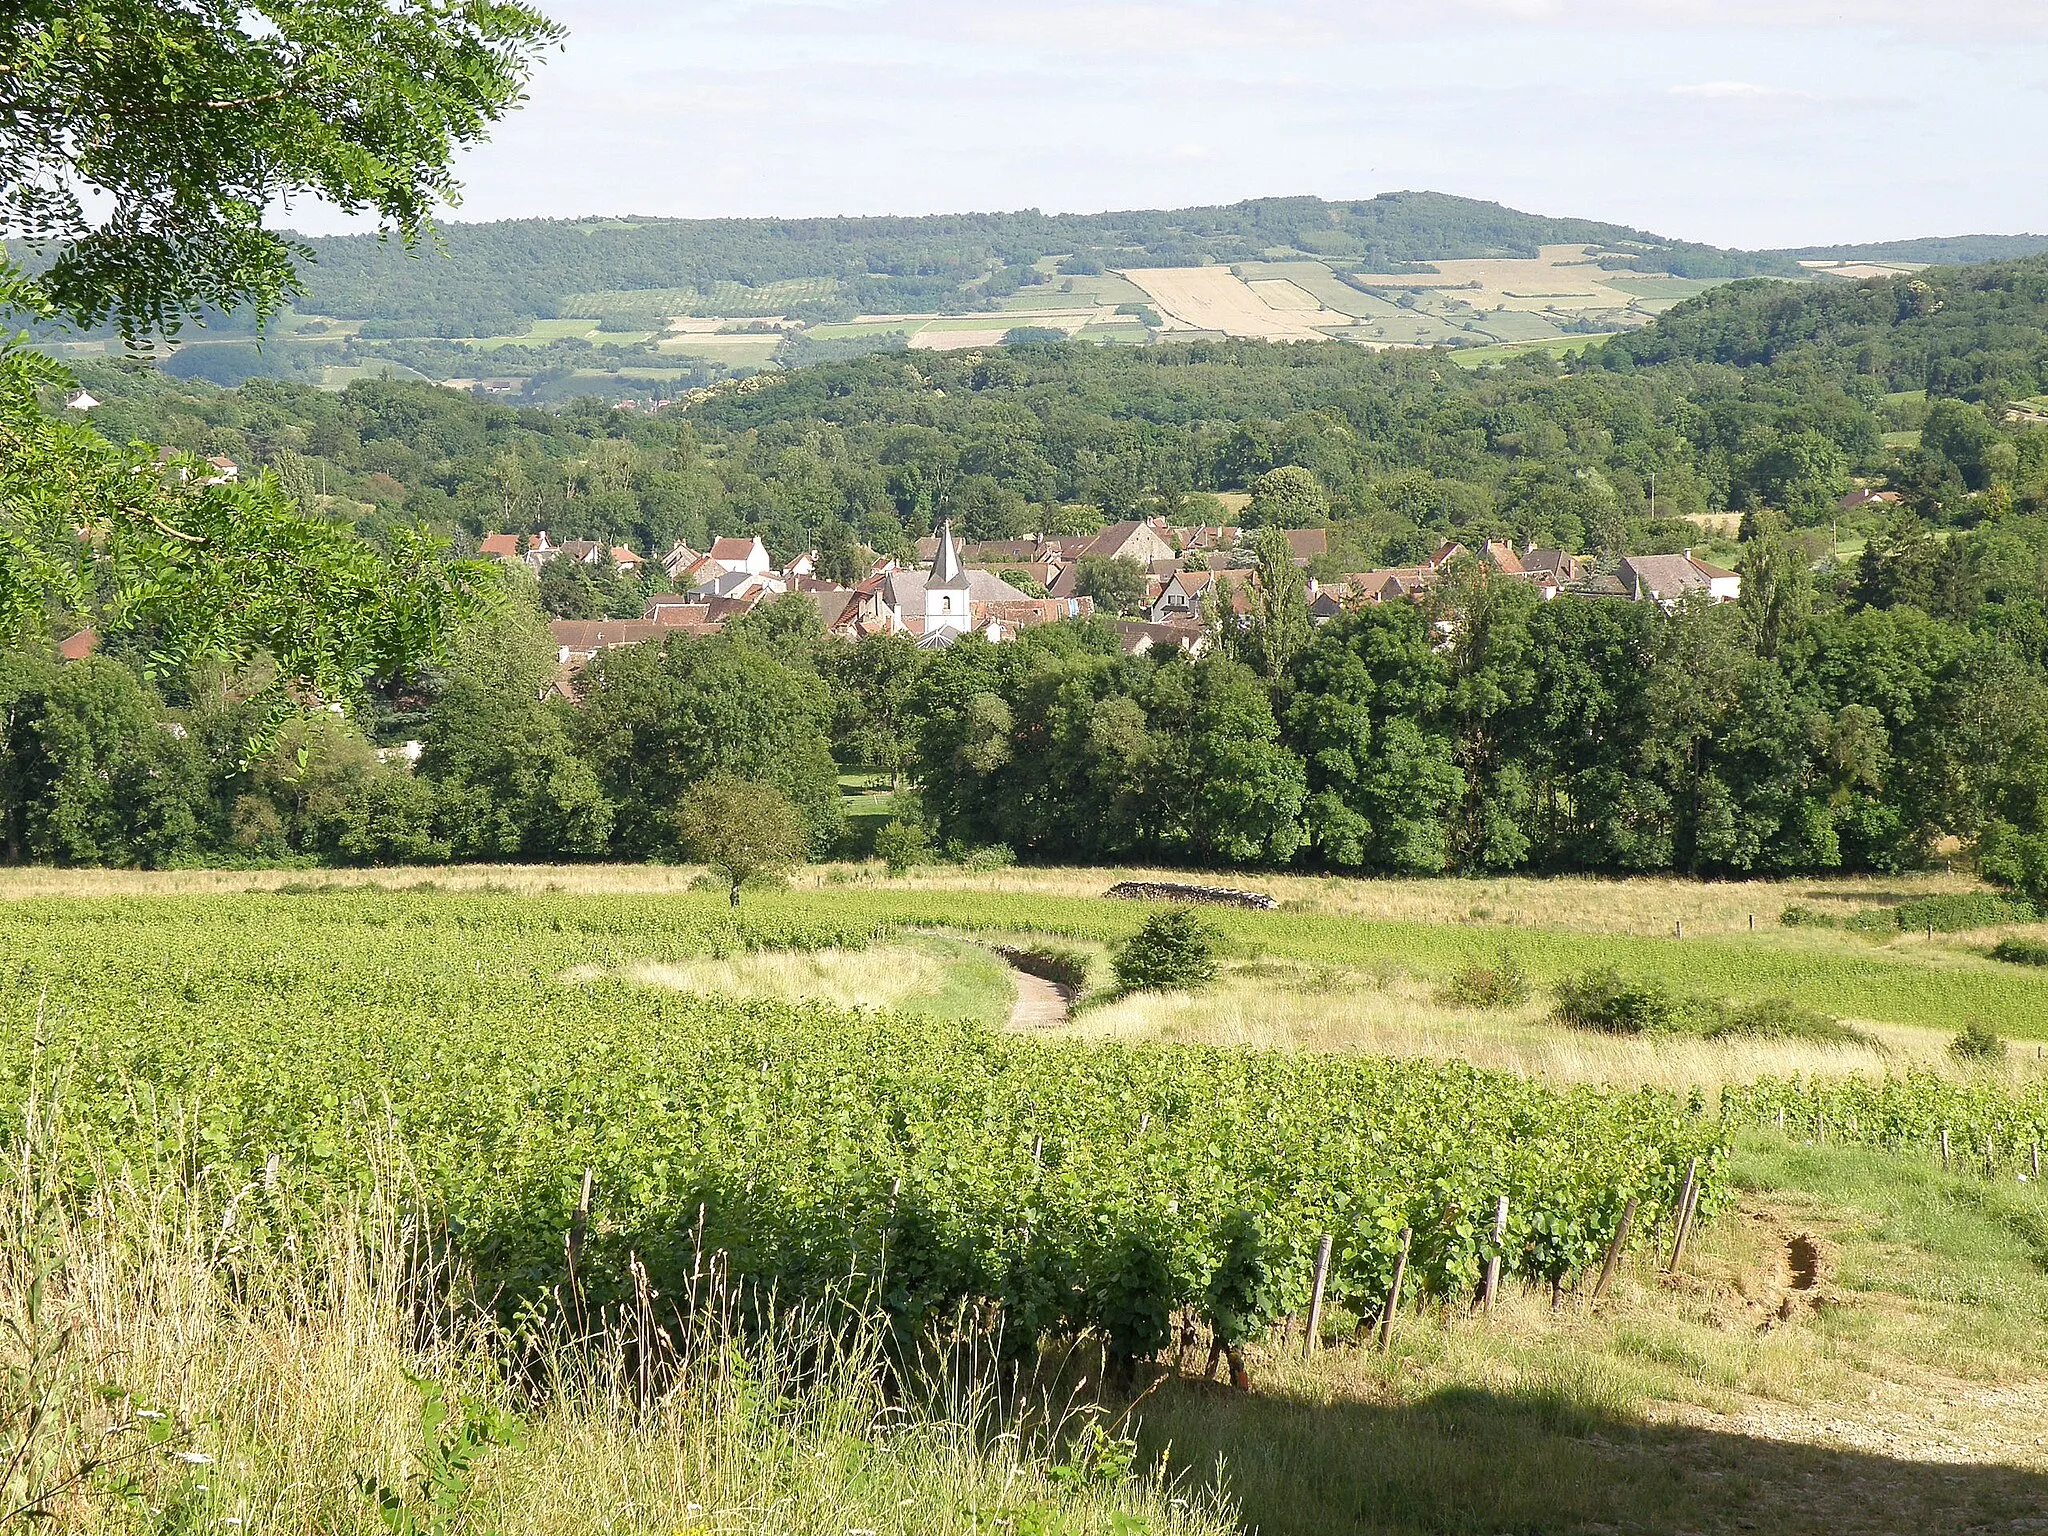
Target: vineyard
[
  {"x": 1984, "y": 1124},
  {"x": 497, "y": 1049}
]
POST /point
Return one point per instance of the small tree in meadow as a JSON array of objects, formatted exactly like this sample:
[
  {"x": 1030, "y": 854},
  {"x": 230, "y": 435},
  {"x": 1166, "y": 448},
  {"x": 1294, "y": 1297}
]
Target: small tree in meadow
[
  {"x": 1174, "y": 952},
  {"x": 741, "y": 829}
]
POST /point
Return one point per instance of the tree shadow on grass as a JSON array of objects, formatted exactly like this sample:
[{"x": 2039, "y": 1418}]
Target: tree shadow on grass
[{"x": 1472, "y": 1461}]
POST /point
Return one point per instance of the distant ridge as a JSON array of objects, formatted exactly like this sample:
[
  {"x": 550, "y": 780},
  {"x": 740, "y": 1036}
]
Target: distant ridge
[{"x": 1934, "y": 250}]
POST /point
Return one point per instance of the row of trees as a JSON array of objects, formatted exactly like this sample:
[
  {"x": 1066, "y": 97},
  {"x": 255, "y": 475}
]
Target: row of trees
[{"x": 1816, "y": 725}]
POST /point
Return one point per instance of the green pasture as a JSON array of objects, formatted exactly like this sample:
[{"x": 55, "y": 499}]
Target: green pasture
[
  {"x": 543, "y": 332},
  {"x": 1561, "y": 346},
  {"x": 736, "y": 301},
  {"x": 1935, "y": 986}
]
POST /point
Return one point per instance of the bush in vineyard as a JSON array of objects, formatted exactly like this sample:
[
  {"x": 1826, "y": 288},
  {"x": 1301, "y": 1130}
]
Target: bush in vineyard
[{"x": 1174, "y": 951}]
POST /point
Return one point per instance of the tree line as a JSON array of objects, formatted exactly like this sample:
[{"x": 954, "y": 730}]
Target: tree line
[{"x": 1819, "y": 724}]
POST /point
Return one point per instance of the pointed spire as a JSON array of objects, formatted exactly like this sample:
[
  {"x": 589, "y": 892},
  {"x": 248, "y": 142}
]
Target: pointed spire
[{"x": 946, "y": 569}]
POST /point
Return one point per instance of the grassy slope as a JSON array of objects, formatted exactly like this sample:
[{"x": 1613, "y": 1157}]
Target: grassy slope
[{"x": 1903, "y": 1391}]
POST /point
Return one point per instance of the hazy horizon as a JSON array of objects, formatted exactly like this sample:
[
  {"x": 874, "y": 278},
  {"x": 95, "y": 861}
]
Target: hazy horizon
[{"x": 1734, "y": 123}]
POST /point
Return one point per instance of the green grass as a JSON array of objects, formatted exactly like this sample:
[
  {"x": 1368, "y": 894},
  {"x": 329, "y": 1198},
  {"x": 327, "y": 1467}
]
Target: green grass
[
  {"x": 1849, "y": 977},
  {"x": 1562, "y": 346},
  {"x": 731, "y": 300},
  {"x": 543, "y": 332},
  {"x": 978, "y": 984}
]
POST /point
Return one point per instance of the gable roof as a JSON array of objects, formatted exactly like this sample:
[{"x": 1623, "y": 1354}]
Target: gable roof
[
  {"x": 1665, "y": 576},
  {"x": 1502, "y": 557},
  {"x": 904, "y": 590},
  {"x": 1307, "y": 543},
  {"x": 732, "y": 548},
  {"x": 586, "y": 637},
  {"x": 79, "y": 646}
]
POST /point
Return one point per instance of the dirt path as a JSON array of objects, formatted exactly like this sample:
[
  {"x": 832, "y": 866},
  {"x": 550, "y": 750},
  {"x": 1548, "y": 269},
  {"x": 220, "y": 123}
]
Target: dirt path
[{"x": 1040, "y": 1004}]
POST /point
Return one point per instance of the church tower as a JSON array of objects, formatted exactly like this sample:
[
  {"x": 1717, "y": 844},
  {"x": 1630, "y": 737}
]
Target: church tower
[{"x": 946, "y": 604}]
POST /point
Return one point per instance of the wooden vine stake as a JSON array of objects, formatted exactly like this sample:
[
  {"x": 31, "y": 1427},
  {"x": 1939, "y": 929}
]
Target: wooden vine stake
[
  {"x": 579, "y": 1225},
  {"x": 1394, "y": 1296},
  {"x": 1944, "y": 1149},
  {"x": 1685, "y": 1226},
  {"x": 1685, "y": 1196},
  {"x": 1615, "y": 1248},
  {"x": 2037, "y": 1162},
  {"x": 1500, "y": 1235},
  {"x": 1314, "y": 1340}
]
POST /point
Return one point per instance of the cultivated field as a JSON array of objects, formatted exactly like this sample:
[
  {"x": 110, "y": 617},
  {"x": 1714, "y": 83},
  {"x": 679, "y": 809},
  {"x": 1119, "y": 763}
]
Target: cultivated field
[
  {"x": 1216, "y": 299},
  {"x": 1851, "y": 1342}
]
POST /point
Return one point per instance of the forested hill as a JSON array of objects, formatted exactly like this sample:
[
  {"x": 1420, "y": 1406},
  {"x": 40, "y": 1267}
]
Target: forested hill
[
  {"x": 1944, "y": 249},
  {"x": 503, "y": 272},
  {"x": 1977, "y": 333}
]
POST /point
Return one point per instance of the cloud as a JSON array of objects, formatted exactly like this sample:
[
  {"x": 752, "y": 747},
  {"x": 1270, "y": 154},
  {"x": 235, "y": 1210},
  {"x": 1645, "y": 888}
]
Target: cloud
[
  {"x": 1745, "y": 122},
  {"x": 1736, "y": 90}
]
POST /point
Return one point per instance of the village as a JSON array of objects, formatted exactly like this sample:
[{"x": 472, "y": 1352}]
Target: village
[{"x": 1193, "y": 577}]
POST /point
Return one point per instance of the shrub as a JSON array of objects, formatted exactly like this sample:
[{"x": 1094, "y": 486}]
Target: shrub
[
  {"x": 1605, "y": 1000},
  {"x": 993, "y": 856},
  {"x": 1064, "y": 967},
  {"x": 1805, "y": 917},
  {"x": 1977, "y": 1042},
  {"x": 1961, "y": 912},
  {"x": 1504, "y": 984},
  {"x": 1174, "y": 951},
  {"x": 2020, "y": 951},
  {"x": 1770, "y": 1018},
  {"x": 900, "y": 844}
]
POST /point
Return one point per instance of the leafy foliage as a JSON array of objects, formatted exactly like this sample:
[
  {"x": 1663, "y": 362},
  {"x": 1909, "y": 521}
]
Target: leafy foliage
[
  {"x": 1081, "y": 1189},
  {"x": 1902, "y": 1112},
  {"x": 2021, "y": 951},
  {"x": 144, "y": 139},
  {"x": 1503, "y": 984},
  {"x": 1174, "y": 951},
  {"x": 1978, "y": 1042},
  {"x": 743, "y": 830}
]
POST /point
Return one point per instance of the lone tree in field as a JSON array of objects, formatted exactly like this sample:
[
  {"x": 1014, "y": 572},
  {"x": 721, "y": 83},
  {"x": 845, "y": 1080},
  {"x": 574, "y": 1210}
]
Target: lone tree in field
[
  {"x": 741, "y": 829},
  {"x": 1175, "y": 951}
]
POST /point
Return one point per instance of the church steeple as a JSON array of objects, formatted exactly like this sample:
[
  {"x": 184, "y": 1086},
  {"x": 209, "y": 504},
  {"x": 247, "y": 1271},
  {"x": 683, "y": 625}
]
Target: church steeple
[
  {"x": 946, "y": 568},
  {"x": 947, "y": 598}
]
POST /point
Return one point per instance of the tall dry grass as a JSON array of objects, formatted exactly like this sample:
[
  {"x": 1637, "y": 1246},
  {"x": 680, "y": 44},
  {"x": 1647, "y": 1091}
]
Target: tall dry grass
[
  {"x": 1649, "y": 906},
  {"x": 881, "y": 977},
  {"x": 1274, "y": 1005},
  {"x": 180, "y": 1359}
]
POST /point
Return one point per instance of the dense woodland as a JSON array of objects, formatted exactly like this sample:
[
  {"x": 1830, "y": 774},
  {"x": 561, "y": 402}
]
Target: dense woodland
[
  {"x": 1869, "y": 711},
  {"x": 503, "y": 273}
]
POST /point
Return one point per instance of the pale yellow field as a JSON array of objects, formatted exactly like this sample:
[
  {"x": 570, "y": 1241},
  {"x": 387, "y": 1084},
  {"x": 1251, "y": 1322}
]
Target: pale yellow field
[
  {"x": 1650, "y": 906},
  {"x": 1562, "y": 278},
  {"x": 955, "y": 341},
  {"x": 880, "y": 977},
  {"x": 1217, "y": 299},
  {"x": 1278, "y": 293},
  {"x": 1279, "y": 1006},
  {"x": 1859, "y": 271}
]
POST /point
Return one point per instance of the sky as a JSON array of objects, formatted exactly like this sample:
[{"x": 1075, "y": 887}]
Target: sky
[{"x": 1751, "y": 123}]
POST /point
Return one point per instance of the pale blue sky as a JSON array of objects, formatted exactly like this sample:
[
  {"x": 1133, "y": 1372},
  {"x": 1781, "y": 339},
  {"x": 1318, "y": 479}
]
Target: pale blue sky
[{"x": 1737, "y": 122}]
